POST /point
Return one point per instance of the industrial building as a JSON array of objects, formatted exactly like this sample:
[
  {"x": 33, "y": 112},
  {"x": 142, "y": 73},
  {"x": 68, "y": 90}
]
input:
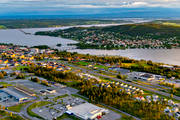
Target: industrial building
[
  {"x": 11, "y": 92},
  {"x": 87, "y": 111}
]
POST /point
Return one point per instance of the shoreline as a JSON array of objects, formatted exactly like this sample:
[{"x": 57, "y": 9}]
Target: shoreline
[{"x": 169, "y": 57}]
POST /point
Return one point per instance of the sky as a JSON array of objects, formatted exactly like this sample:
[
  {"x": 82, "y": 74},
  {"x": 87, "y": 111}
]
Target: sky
[{"x": 77, "y": 7}]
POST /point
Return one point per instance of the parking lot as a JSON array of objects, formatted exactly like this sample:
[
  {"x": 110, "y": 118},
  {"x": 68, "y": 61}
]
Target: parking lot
[
  {"x": 58, "y": 108},
  {"x": 50, "y": 111}
]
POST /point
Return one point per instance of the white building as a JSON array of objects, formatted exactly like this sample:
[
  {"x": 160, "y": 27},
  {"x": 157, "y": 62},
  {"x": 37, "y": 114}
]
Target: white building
[{"x": 87, "y": 111}]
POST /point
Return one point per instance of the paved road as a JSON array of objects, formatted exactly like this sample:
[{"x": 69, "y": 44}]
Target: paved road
[
  {"x": 24, "y": 112},
  {"x": 129, "y": 83},
  {"x": 152, "y": 85}
]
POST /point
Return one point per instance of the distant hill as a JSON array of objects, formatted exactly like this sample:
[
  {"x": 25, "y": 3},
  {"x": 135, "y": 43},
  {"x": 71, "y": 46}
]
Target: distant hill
[
  {"x": 154, "y": 30},
  {"x": 2, "y": 27},
  {"x": 147, "y": 29},
  {"x": 44, "y": 23}
]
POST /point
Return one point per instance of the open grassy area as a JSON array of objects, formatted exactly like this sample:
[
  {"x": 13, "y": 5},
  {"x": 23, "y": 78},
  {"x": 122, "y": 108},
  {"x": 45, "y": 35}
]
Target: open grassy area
[
  {"x": 101, "y": 67},
  {"x": 36, "y": 105},
  {"x": 21, "y": 67},
  {"x": 134, "y": 64},
  {"x": 5, "y": 84},
  {"x": 171, "y": 24},
  {"x": 59, "y": 97},
  {"x": 17, "y": 108},
  {"x": 2, "y": 27},
  {"x": 83, "y": 63}
]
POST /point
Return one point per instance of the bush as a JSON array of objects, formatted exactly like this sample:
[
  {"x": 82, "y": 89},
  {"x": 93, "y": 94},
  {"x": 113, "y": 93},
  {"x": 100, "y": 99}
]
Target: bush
[
  {"x": 1, "y": 75},
  {"x": 20, "y": 76}
]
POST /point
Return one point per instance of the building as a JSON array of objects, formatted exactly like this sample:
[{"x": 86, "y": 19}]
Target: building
[
  {"x": 51, "y": 91},
  {"x": 25, "y": 91},
  {"x": 34, "y": 50},
  {"x": 87, "y": 111},
  {"x": 11, "y": 92},
  {"x": 147, "y": 77},
  {"x": 176, "y": 83}
]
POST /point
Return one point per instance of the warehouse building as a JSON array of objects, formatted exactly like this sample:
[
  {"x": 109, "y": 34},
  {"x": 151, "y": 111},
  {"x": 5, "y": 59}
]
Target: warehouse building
[
  {"x": 11, "y": 92},
  {"x": 87, "y": 111}
]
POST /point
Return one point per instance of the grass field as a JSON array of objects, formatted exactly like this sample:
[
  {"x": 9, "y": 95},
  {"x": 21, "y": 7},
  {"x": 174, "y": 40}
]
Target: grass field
[
  {"x": 134, "y": 64},
  {"x": 5, "y": 84},
  {"x": 21, "y": 67},
  {"x": 59, "y": 97},
  {"x": 83, "y": 63},
  {"x": 2, "y": 27},
  {"x": 17, "y": 108},
  {"x": 101, "y": 67},
  {"x": 171, "y": 24}
]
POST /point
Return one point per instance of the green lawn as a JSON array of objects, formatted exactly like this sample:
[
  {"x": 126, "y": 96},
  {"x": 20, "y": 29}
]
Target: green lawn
[
  {"x": 21, "y": 67},
  {"x": 59, "y": 97},
  {"x": 36, "y": 105},
  {"x": 71, "y": 83},
  {"x": 83, "y": 63},
  {"x": 135, "y": 64},
  {"x": 17, "y": 108},
  {"x": 2, "y": 27},
  {"x": 101, "y": 66},
  {"x": 5, "y": 84}
]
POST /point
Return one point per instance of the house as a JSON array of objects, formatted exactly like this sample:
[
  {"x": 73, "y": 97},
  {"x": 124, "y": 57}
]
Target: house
[
  {"x": 51, "y": 91},
  {"x": 43, "y": 92},
  {"x": 175, "y": 109},
  {"x": 170, "y": 102},
  {"x": 147, "y": 77},
  {"x": 167, "y": 110}
]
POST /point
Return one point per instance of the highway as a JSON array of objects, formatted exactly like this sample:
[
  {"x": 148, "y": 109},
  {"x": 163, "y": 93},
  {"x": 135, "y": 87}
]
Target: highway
[{"x": 129, "y": 83}]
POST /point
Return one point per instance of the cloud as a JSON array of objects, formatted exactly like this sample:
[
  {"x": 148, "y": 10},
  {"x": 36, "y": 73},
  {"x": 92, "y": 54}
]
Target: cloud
[
  {"x": 94, "y": 3},
  {"x": 87, "y": 6}
]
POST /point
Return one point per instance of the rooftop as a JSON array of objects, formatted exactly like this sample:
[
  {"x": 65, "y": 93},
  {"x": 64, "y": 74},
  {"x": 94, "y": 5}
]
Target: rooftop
[
  {"x": 86, "y": 110},
  {"x": 14, "y": 92}
]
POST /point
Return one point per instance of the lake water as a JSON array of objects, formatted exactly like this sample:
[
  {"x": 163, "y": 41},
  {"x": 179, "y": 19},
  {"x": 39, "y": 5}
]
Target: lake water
[
  {"x": 168, "y": 56},
  {"x": 16, "y": 36},
  {"x": 19, "y": 38}
]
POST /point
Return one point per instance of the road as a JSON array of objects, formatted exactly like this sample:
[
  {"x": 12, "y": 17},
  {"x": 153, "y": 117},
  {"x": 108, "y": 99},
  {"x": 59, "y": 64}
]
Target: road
[{"x": 129, "y": 83}]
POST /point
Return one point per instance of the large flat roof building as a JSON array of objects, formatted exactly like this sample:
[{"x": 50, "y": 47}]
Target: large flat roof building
[
  {"x": 87, "y": 111},
  {"x": 18, "y": 95}
]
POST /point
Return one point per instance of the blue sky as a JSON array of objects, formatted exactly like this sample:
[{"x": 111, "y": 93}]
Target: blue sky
[{"x": 72, "y": 7}]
